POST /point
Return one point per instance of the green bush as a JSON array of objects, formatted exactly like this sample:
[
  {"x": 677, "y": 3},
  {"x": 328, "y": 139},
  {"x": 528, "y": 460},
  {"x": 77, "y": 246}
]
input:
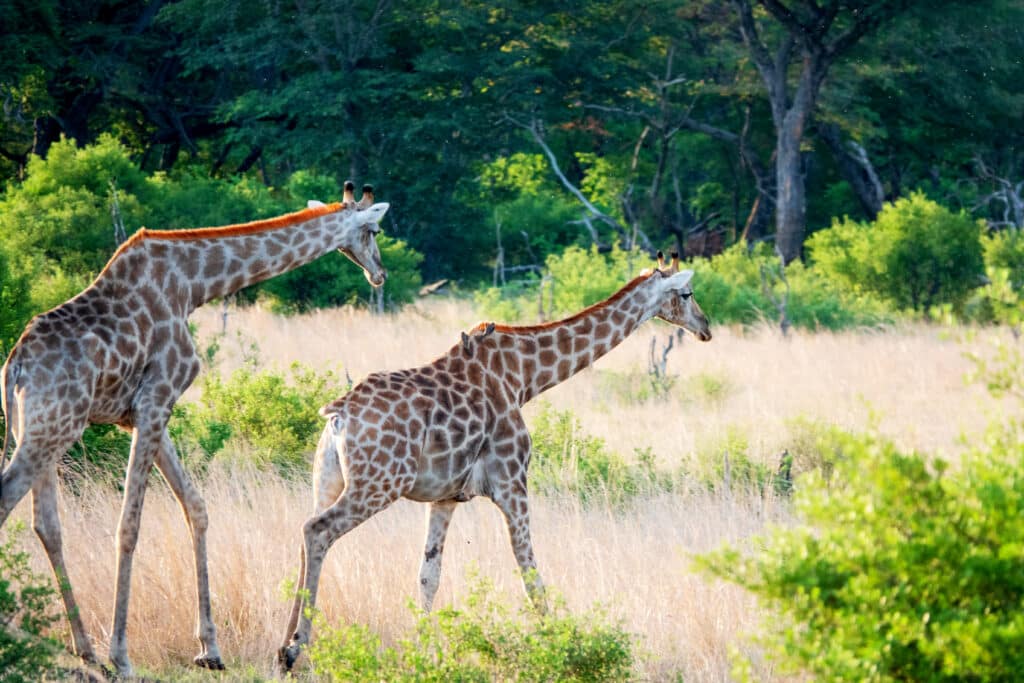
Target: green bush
[
  {"x": 901, "y": 568},
  {"x": 916, "y": 255},
  {"x": 266, "y": 418},
  {"x": 566, "y": 459},
  {"x": 26, "y": 601},
  {"x": 59, "y": 220},
  {"x": 14, "y": 302},
  {"x": 486, "y": 642},
  {"x": 734, "y": 287}
]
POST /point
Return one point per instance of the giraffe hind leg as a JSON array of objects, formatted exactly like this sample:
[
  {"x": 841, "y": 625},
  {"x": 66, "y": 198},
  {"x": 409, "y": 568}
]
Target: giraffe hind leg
[
  {"x": 328, "y": 483},
  {"x": 320, "y": 532},
  {"x": 46, "y": 523},
  {"x": 196, "y": 518}
]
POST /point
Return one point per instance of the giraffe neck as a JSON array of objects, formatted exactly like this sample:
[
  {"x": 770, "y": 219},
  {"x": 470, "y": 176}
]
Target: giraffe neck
[
  {"x": 538, "y": 357},
  {"x": 191, "y": 267}
]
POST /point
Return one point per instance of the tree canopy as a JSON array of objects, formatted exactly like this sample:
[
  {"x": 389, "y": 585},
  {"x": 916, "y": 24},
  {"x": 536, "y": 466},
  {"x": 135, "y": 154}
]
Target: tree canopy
[{"x": 528, "y": 127}]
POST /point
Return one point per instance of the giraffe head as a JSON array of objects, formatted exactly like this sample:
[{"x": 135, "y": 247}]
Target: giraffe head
[
  {"x": 360, "y": 223},
  {"x": 676, "y": 304}
]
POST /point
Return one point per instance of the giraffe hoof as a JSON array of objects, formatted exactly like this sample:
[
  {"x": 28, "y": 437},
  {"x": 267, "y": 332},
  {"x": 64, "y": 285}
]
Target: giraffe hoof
[{"x": 211, "y": 663}]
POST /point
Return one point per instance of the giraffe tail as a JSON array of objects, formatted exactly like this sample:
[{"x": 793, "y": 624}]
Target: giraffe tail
[{"x": 7, "y": 382}]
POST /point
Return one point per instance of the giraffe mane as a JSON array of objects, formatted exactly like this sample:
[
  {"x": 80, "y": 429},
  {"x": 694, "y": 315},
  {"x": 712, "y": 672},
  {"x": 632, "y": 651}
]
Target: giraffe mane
[
  {"x": 225, "y": 230},
  {"x": 241, "y": 228},
  {"x": 529, "y": 329}
]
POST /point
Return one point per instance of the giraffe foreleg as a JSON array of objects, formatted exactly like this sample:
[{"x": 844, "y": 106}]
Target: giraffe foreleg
[
  {"x": 196, "y": 518},
  {"x": 439, "y": 517},
  {"x": 514, "y": 505},
  {"x": 46, "y": 523}
]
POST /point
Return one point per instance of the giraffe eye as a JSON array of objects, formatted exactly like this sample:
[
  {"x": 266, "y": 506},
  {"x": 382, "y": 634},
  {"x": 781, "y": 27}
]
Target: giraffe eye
[{"x": 686, "y": 295}]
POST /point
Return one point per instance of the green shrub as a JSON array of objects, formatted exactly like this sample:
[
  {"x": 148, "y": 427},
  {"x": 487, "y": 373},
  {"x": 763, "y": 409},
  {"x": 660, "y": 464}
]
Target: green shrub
[
  {"x": 60, "y": 219},
  {"x": 734, "y": 287},
  {"x": 724, "y": 464},
  {"x": 14, "y": 302},
  {"x": 566, "y": 459},
  {"x": 486, "y": 642},
  {"x": 901, "y": 568},
  {"x": 266, "y": 418},
  {"x": 1005, "y": 249},
  {"x": 26, "y": 600},
  {"x": 916, "y": 255}
]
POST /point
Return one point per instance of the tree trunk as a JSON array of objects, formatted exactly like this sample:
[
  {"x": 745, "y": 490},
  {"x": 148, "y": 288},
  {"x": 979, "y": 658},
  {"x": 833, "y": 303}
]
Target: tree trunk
[{"x": 790, "y": 200}]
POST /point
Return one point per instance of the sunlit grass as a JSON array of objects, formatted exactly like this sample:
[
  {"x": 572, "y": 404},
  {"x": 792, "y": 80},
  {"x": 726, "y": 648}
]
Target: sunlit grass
[{"x": 635, "y": 560}]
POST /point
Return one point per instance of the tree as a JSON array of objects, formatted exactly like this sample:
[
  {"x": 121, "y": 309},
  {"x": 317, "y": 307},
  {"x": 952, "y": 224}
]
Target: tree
[{"x": 817, "y": 35}]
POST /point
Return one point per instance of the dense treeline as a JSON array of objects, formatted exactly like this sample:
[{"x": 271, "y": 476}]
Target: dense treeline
[{"x": 509, "y": 130}]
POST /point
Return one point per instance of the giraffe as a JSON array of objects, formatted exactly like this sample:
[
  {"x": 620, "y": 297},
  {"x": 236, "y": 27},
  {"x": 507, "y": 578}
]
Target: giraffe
[
  {"x": 120, "y": 353},
  {"x": 451, "y": 430}
]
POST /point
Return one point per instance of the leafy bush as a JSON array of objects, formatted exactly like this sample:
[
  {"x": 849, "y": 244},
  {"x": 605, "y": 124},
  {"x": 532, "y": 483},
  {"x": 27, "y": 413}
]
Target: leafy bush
[
  {"x": 26, "y": 600},
  {"x": 60, "y": 219},
  {"x": 486, "y": 642},
  {"x": 903, "y": 568},
  {"x": 734, "y": 287},
  {"x": 916, "y": 255},
  {"x": 1001, "y": 299},
  {"x": 14, "y": 302},
  {"x": 262, "y": 417},
  {"x": 566, "y": 459}
]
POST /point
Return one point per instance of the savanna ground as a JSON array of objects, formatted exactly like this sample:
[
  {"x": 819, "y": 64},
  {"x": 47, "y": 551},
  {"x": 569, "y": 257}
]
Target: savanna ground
[{"x": 906, "y": 382}]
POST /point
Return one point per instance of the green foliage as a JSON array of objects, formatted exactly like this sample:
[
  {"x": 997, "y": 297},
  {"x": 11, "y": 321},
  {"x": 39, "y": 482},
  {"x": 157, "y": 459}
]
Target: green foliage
[
  {"x": 583, "y": 277},
  {"x": 485, "y": 642},
  {"x": 266, "y": 418},
  {"x": 565, "y": 459},
  {"x": 916, "y": 255},
  {"x": 60, "y": 218},
  {"x": 1001, "y": 299},
  {"x": 903, "y": 568},
  {"x": 734, "y": 287},
  {"x": 14, "y": 302},
  {"x": 26, "y": 604}
]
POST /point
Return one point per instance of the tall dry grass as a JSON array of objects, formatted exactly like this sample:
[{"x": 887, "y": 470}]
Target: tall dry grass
[{"x": 634, "y": 560}]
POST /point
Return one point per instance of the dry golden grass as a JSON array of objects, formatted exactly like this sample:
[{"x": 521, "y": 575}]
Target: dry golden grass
[{"x": 636, "y": 561}]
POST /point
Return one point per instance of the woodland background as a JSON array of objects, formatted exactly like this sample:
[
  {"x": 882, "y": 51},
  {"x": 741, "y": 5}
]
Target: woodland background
[
  {"x": 504, "y": 132},
  {"x": 846, "y": 178}
]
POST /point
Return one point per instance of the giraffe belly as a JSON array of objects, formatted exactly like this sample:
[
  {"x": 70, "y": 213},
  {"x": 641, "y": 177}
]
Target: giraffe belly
[{"x": 453, "y": 476}]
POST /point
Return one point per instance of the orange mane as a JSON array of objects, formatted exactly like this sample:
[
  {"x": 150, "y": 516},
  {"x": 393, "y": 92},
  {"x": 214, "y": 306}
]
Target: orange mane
[
  {"x": 225, "y": 230},
  {"x": 529, "y": 329},
  {"x": 241, "y": 228}
]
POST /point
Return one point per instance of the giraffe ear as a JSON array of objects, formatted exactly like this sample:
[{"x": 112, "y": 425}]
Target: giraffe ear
[
  {"x": 678, "y": 281},
  {"x": 313, "y": 203}
]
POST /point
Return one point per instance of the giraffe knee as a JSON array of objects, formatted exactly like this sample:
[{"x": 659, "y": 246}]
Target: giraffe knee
[
  {"x": 197, "y": 515},
  {"x": 48, "y": 531}
]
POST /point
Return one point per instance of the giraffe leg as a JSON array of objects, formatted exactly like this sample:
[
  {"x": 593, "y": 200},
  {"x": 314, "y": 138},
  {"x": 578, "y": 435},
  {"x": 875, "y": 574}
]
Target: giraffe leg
[
  {"x": 513, "y": 502},
  {"x": 194, "y": 509},
  {"x": 439, "y": 517},
  {"x": 146, "y": 439},
  {"x": 328, "y": 483},
  {"x": 46, "y": 522},
  {"x": 351, "y": 509}
]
